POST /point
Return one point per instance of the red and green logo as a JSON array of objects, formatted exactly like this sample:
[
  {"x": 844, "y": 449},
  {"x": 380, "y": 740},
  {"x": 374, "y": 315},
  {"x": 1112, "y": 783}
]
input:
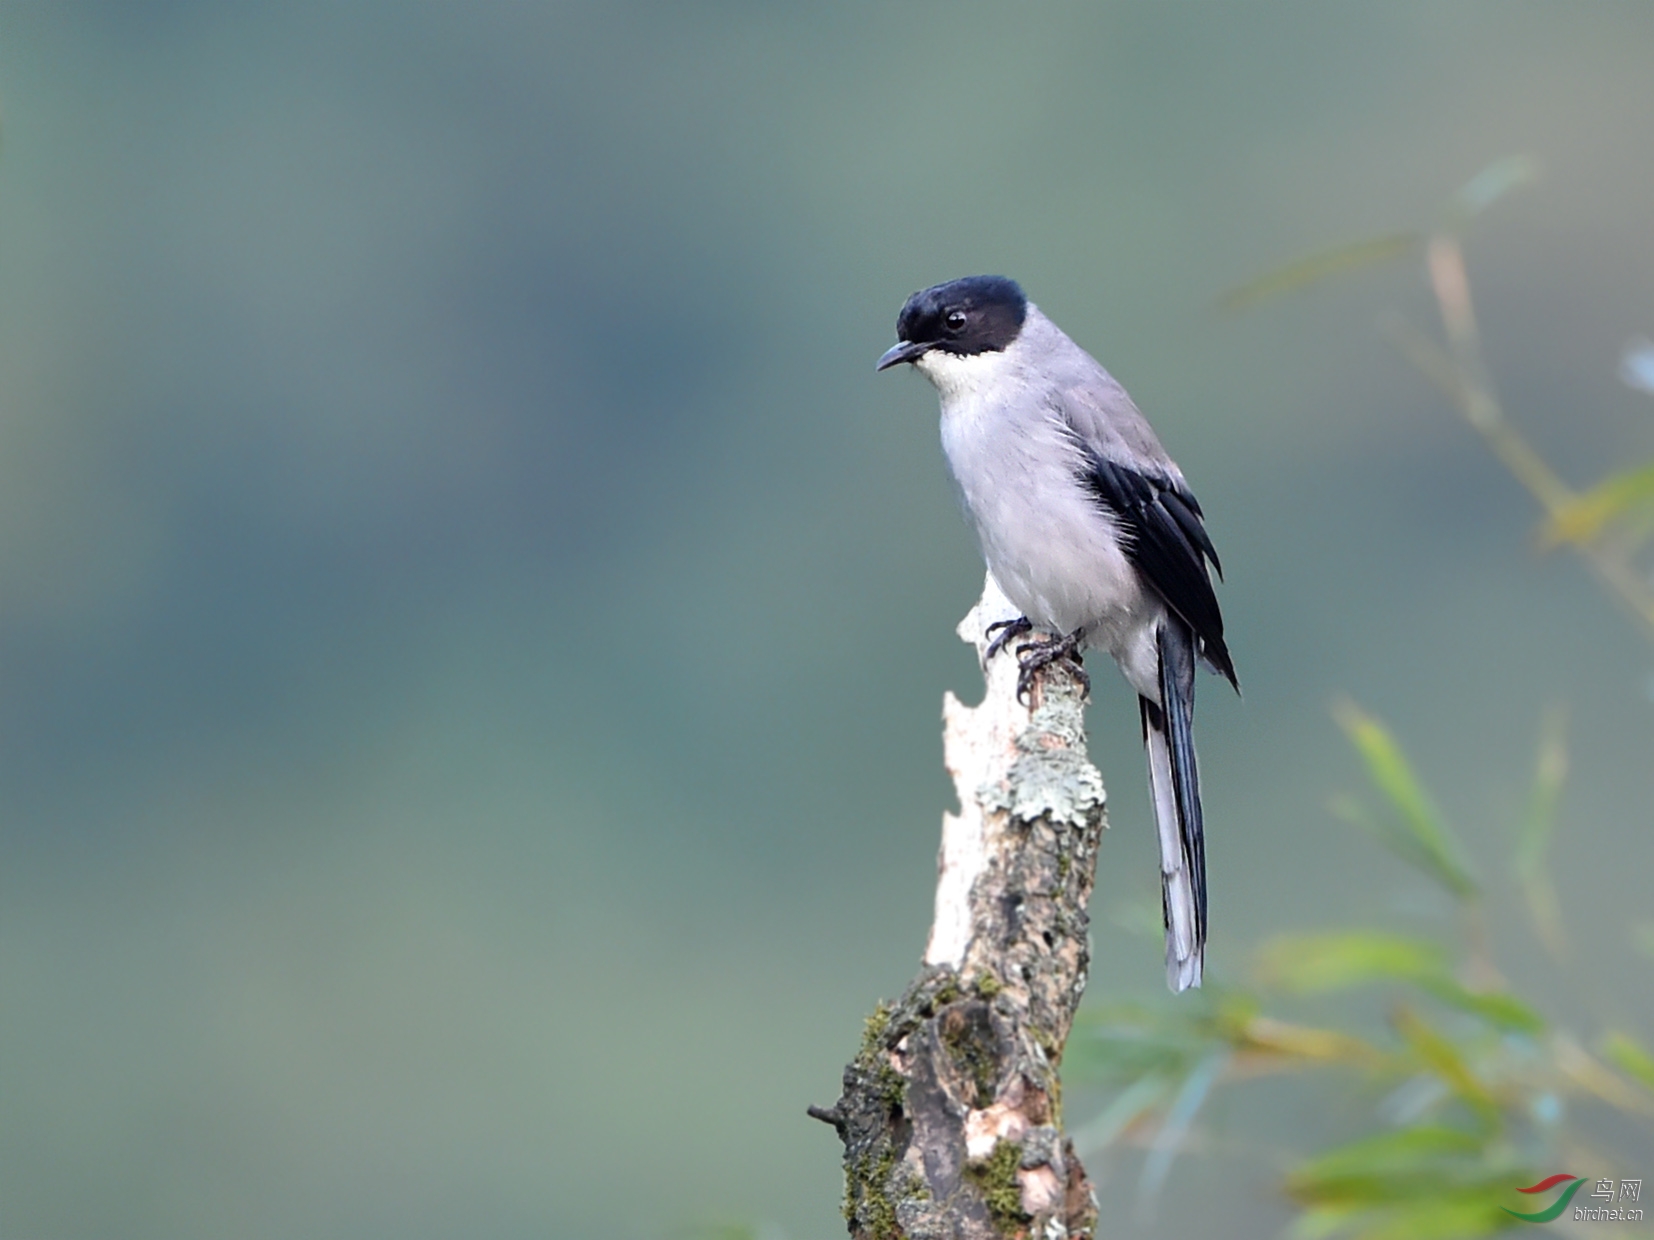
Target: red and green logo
[{"x": 1544, "y": 1186}]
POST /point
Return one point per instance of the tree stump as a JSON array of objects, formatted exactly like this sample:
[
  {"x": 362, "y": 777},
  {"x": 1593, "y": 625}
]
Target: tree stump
[{"x": 951, "y": 1113}]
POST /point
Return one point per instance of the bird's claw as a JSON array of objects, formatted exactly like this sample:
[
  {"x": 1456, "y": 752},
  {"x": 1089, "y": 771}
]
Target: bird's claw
[
  {"x": 1009, "y": 629},
  {"x": 1033, "y": 657}
]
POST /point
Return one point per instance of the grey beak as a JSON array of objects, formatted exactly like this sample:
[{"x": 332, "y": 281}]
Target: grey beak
[{"x": 905, "y": 351}]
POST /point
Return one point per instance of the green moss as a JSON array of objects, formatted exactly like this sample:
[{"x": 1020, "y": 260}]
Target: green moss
[
  {"x": 874, "y": 1028},
  {"x": 987, "y": 985},
  {"x": 866, "y": 1198},
  {"x": 995, "y": 1178},
  {"x": 947, "y": 992},
  {"x": 868, "y": 1204},
  {"x": 887, "y": 1083}
]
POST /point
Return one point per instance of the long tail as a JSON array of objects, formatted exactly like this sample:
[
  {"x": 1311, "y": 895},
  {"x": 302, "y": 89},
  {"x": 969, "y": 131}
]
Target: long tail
[{"x": 1168, "y": 735}]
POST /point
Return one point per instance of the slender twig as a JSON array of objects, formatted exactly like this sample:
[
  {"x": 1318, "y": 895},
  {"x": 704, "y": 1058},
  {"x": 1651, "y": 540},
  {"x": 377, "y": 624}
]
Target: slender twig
[{"x": 1463, "y": 375}]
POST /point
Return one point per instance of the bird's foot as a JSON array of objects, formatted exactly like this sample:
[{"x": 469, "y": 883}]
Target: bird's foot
[
  {"x": 1033, "y": 657},
  {"x": 1009, "y": 629}
]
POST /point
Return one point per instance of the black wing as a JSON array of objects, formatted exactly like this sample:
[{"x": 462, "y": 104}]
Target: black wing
[{"x": 1168, "y": 544}]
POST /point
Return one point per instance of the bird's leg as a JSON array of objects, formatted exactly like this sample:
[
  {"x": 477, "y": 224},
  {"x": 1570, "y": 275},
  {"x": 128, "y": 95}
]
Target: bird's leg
[
  {"x": 1009, "y": 629},
  {"x": 1033, "y": 656}
]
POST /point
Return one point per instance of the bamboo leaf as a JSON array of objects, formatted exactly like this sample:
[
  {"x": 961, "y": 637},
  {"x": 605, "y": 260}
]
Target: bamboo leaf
[
  {"x": 1587, "y": 1072},
  {"x": 1502, "y": 1010},
  {"x": 1586, "y": 516},
  {"x": 1313, "y": 963},
  {"x": 1312, "y": 269},
  {"x": 1400, "y": 1174},
  {"x": 1124, "y": 1042},
  {"x": 1415, "y": 830},
  {"x": 1174, "y": 1130},
  {"x": 1630, "y": 1057},
  {"x": 1321, "y": 1221},
  {"x": 1456, "y": 1216},
  {"x": 1267, "y": 1036},
  {"x": 1440, "y": 1056},
  {"x": 1472, "y": 198},
  {"x": 1386, "y": 1154},
  {"x": 1428, "y": 1181},
  {"x": 1129, "y": 1106}
]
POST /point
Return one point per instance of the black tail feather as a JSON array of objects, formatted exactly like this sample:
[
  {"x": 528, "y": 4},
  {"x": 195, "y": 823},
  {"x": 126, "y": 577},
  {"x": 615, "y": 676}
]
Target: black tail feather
[
  {"x": 1177, "y": 694},
  {"x": 1168, "y": 736}
]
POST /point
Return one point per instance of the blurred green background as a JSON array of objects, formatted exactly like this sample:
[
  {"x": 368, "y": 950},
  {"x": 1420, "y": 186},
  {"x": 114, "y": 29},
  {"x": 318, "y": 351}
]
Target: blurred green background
[{"x": 473, "y": 624}]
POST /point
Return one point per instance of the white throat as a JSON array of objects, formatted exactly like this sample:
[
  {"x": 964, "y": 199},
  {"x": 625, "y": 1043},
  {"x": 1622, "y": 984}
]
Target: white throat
[{"x": 954, "y": 375}]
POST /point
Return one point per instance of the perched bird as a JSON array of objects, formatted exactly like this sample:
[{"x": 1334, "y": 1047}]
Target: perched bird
[{"x": 1090, "y": 530}]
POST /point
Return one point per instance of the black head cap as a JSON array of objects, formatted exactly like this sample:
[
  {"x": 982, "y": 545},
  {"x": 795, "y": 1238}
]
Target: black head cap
[{"x": 978, "y": 314}]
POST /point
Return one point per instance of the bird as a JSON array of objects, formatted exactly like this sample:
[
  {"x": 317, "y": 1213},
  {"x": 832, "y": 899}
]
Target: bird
[{"x": 1091, "y": 531}]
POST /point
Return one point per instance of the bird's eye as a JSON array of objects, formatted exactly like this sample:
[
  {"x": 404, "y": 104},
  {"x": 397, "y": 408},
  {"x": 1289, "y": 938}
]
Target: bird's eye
[{"x": 955, "y": 320}]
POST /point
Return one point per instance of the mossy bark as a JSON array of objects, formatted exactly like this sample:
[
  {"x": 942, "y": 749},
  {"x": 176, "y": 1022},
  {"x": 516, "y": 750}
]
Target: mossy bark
[{"x": 951, "y": 1113}]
